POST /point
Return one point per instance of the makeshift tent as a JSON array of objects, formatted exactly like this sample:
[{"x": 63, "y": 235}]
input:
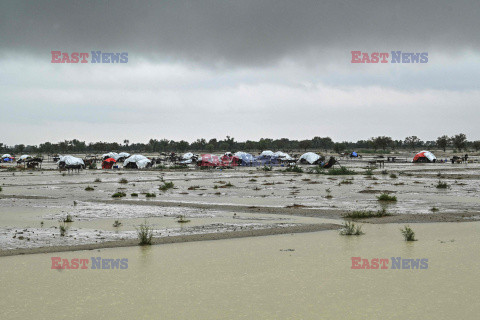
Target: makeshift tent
[
  {"x": 70, "y": 162},
  {"x": 136, "y": 161},
  {"x": 7, "y": 155},
  {"x": 245, "y": 159},
  {"x": 353, "y": 155},
  {"x": 113, "y": 155},
  {"x": 283, "y": 156},
  {"x": 424, "y": 156},
  {"x": 108, "y": 163},
  {"x": 267, "y": 153},
  {"x": 7, "y": 158},
  {"x": 122, "y": 156},
  {"x": 23, "y": 158},
  {"x": 310, "y": 158},
  {"x": 229, "y": 160},
  {"x": 209, "y": 160}
]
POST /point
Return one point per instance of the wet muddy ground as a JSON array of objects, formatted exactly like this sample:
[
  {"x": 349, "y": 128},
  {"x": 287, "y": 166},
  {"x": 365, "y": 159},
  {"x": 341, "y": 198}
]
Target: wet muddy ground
[{"x": 221, "y": 201}]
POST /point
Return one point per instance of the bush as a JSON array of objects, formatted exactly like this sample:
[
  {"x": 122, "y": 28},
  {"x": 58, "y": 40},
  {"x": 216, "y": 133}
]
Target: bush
[
  {"x": 166, "y": 186},
  {"x": 89, "y": 188},
  {"x": 68, "y": 218},
  {"x": 442, "y": 185},
  {"x": 63, "y": 229},
  {"x": 134, "y": 194},
  {"x": 408, "y": 234},
  {"x": 434, "y": 209},
  {"x": 123, "y": 180},
  {"x": 145, "y": 234},
  {"x": 386, "y": 197},
  {"x": 92, "y": 166},
  {"x": 267, "y": 168},
  {"x": 393, "y": 176},
  {"x": 119, "y": 195},
  {"x": 117, "y": 223},
  {"x": 1, "y": 189},
  {"x": 351, "y": 229},
  {"x": 98, "y": 180},
  {"x": 369, "y": 172},
  {"x": 150, "y": 195},
  {"x": 340, "y": 171}
]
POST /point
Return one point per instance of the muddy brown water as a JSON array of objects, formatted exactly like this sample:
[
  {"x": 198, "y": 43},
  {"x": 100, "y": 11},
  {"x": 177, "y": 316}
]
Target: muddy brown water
[{"x": 300, "y": 276}]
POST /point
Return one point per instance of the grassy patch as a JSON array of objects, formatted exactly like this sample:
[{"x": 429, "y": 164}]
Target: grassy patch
[
  {"x": 68, "y": 218},
  {"x": 166, "y": 186},
  {"x": 442, "y": 185},
  {"x": 117, "y": 223},
  {"x": 369, "y": 172},
  {"x": 150, "y": 195},
  {"x": 98, "y": 180},
  {"x": 408, "y": 234},
  {"x": 267, "y": 168},
  {"x": 393, "y": 176},
  {"x": 63, "y": 229},
  {"x": 295, "y": 168},
  {"x": 362, "y": 214},
  {"x": 193, "y": 187},
  {"x": 123, "y": 180},
  {"x": 134, "y": 194},
  {"x": 351, "y": 229},
  {"x": 434, "y": 209},
  {"x": 89, "y": 188},
  {"x": 119, "y": 195},
  {"x": 386, "y": 197}
]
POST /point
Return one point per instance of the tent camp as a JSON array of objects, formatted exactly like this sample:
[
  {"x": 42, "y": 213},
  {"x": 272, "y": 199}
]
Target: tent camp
[
  {"x": 108, "y": 163},
  {"x": 137, "y": 161},
  {"x": 283, "y": 156},
  {"x": 310, "y": 158},
  {"x": 122, "y": 156},
  {"x": 424, "y": 156},
  {"x": 229, "y": 160},
  {"x": 267, "y": 153},
  {"x": 113, "y": 155},
  {"x": 7, "y": 158}
]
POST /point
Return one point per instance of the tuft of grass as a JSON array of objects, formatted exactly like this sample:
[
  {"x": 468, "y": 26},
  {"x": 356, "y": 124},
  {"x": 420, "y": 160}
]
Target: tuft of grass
[
  {"x": 252, "y": 180},
  {"x": 1, "y": 189},
  {"x": 119, "y": 195},
  {"x": 267, "y": 168},
  {"x": 362, "y": 214},
  {"x": 68, "y": 218},
  {"x": 346, "y": 181},
  {"x": 117, "y": 223},
  {"x": 89, "y": 188},
  {"x": 145, "y": 234},
  {"x": 351, "y": 229},
  {"x": 181, "y": 219},
  {"x": 150, "y": 195},
  {"x": 442, "y": 185},
  {"x": 123, "y": 180},
  {"x": 98, "y": 180},
  {"x": 369, "y": 172},
  {"x": 295, "y": 168},
  {"x": 166, "y": 186},
  {"x": 340, "y": 171},
  {"x": 63, "y": 229},
  {"x": 386, "y": 197},
  {"x": 408, "y": 234},
  {"x": 434, "y": 209},
  {"x": 329, "y": 193},
  {"x": 393, "y": 176},
  {"x": 194, "y": 187},
  {"x": 134, "y": 194}
]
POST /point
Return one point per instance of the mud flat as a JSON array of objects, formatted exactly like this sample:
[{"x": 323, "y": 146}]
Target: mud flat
[{"x": 221, "y": 203}]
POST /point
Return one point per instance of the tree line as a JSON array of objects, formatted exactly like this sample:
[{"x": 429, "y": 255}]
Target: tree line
[{"x": 381, "y": 143}]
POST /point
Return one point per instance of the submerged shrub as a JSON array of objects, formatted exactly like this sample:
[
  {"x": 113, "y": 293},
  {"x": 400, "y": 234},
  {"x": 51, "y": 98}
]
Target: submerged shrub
[
  {"x": 386, "y": 197},
  {"x": 134, "y": 194},
  {"x": 98, "y": 180},
  {"x": 267, "y": 168},
  {"x": 408, "y": 234},
  {"x": 145, "y": 234},
  {"x": 89, "y": 188},
  {"x": 63, "y": 229},
  {"x": 442, "y": 185},
  {"x": 340, "y": 171},
  {"x": 393, "y": 176},
  {"x": 123, "y": 180},
  {"x": 351, "y": 229},
  {"x": 68, "y": 218},
  {"x": 367, "y": 214},
  {"x": 150, "y": 195},
  {"x": 117, "y": 223},
  {"x": 369, "y": 172},
  {"x": 295, "y": 168}
]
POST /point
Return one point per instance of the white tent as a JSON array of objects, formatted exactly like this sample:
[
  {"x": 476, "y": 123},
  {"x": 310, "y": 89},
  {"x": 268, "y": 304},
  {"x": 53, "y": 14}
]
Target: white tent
[
  {"x": 113, "y": 155},
  {"x": 138, "y": 159},
  {"x": 267, "y": 153},
  {"x": 25, "y": 156},
  {"x": 71, "y": 161},
  {"x": 6, "y": 155},
  {"x": 309, "y": 157},
  {"x": 123, "y": 155},
  {"x": 424, "y": 154},
  {"x": 282, "y": 155},
  {"x": 187, "y": 156}
]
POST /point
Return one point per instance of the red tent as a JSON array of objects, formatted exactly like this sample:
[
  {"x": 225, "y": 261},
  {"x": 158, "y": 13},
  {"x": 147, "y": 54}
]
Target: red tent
[
  {"x": 230, "y": 160},
  {"x": 108, "y": 163}
]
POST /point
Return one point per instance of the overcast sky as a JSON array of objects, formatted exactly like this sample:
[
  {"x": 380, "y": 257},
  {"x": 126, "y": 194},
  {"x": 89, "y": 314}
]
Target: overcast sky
[{"x": 248, "y": 69}]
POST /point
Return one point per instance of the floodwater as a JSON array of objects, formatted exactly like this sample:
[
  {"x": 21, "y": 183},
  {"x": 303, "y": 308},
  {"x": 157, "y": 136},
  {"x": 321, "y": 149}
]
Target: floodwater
[{"x": 293, "y": 276}]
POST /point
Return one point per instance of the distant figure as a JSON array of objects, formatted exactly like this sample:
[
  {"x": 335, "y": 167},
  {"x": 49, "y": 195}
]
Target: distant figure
[{"x": 466, "y": 158}]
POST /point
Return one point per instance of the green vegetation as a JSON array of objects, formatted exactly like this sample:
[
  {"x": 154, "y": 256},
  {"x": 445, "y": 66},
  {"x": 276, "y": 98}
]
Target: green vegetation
[
  {"x": 119, "y": 195},
  {"x": 362, "y": 214},
  {"x": 63, "y": 229},
  {"x": 369, "y": 172},
  {"x": 267, "y": 168},
  {"x": 68, "y": 218},
  {"x": 194, "y": 187},
  {"x": 134, "y": 194},
  {"x": 1, "y": 189},
  {"x": 145, "y": 234},
  {"x": 384, "y": 172},
  {"x": 329, "y": 193},
  {"x": 123, "y": 180},
  {"x": 393, "y": 176},
  {"x": 351, "y": 229},
  {"x": 434, "y": 209},
  {"x": 408, "y": 234},
  {"x": 150, "y": 195},
  {"x": 181, "y": 219},
  {"x": 166, "y": 186},
  {"x": 117, "y": 223},
  {"x": 387, "y": 197},
  {"x": 89, "y": 188},
  {"x": 442, "y": 185},
  {"x": 98, "y": 180},
  {"x": 346, "y": 181},
  {"x": 295, "y": 168}
]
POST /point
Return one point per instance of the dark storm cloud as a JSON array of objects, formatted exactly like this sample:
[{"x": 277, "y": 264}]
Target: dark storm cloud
[{"x": 238, "y": 32}]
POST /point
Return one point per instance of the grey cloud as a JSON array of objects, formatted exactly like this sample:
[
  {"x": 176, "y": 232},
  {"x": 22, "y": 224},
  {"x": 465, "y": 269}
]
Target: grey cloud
[{"x": 238, "y": 32}]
